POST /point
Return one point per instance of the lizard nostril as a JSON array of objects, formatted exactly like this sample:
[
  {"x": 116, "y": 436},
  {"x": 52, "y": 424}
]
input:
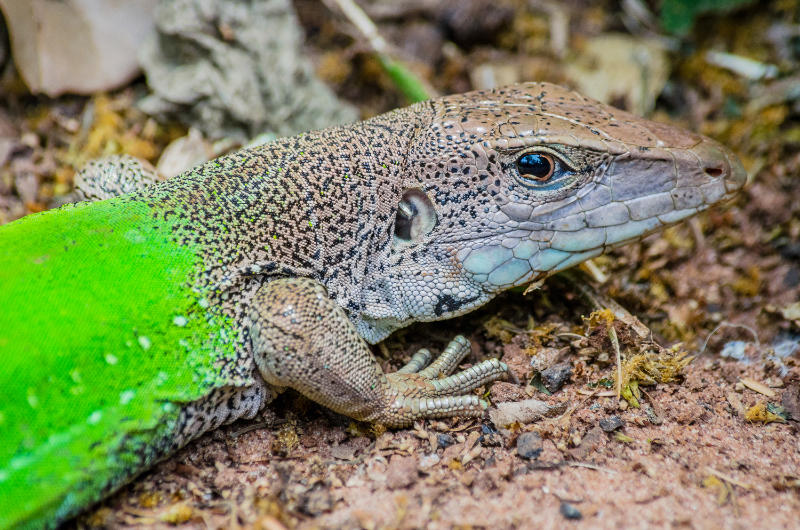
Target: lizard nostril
[{"x": 714, "y": 171}]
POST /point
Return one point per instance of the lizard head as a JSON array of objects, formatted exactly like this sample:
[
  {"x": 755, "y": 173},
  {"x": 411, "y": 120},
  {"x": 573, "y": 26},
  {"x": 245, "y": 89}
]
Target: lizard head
[{"x": 508, "y": 186}]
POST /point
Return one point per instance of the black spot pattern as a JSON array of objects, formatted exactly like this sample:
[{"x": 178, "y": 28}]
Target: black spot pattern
[{"x": 322, "y": 205}]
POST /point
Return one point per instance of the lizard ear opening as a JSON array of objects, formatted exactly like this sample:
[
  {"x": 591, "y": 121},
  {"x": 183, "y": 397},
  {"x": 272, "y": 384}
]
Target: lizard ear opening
[{"x": 416, "y": 216}]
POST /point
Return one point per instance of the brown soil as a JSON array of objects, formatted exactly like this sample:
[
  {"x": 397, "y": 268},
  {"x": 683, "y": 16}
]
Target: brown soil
[{"x": 701, "y": 466}]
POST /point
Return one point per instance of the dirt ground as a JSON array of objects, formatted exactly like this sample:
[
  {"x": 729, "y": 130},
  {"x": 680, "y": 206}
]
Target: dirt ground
[
  {"x": 717, "y": 447},
  {"x": 686, "y": 458}
]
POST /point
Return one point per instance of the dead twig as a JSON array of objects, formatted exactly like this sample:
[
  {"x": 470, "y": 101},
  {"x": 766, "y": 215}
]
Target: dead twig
[
  {"x": 727, "y": 478},
  {"x": 411, "y": 85},
  {"x": 612, "y": 335},
  {"x": 591, "y": 466},
  {"x": 726, "y": 324}
]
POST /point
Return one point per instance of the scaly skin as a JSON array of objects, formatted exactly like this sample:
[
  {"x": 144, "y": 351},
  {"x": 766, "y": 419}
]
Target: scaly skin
[{"x": 132, "y": 325}]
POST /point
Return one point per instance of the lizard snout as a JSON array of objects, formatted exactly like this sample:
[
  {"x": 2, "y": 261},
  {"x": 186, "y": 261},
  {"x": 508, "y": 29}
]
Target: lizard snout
[{"x": 720, "y": 163}]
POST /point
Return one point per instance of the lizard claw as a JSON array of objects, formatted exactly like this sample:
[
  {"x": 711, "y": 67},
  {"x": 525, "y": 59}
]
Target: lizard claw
[{"x": 419, "y": 390}]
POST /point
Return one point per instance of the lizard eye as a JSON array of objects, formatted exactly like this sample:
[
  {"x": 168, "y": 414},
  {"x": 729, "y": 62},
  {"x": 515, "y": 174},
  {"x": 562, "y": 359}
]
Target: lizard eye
[
  {"x": 536, "y": 167},
  {"x": 543, "y": 171}
]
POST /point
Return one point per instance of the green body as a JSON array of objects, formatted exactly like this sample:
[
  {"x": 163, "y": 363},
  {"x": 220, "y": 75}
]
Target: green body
[{"x": 102, "y": 339}]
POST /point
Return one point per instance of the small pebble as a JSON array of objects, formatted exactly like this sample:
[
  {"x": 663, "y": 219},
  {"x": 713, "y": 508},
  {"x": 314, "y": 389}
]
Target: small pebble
[
  {"x": 654, "y": 418},
  {"x": 569, "y": 511},
  {"x": 529, "y": 445},
  {"x": 491, "y": 440},
  {"x": 610, "y": 424},
  {"x": 401, "y": 472},
  {"x": 445, "y": 440},
  {"x": 426, "y": 462},
  {"x": 553, "y": 378},
  {"x": 316, "y": 502}
]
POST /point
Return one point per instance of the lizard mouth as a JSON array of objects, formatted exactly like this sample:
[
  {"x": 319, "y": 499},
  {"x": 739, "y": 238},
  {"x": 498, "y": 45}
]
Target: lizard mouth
[{"x": 499, "y": 267}]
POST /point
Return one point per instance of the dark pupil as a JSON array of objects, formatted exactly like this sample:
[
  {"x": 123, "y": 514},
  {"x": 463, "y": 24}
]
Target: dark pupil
[{"x": 534, "y": 165}]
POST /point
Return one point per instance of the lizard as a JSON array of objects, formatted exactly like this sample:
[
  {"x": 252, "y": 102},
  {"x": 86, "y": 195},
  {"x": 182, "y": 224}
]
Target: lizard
[{"x": 154, "y": 312}]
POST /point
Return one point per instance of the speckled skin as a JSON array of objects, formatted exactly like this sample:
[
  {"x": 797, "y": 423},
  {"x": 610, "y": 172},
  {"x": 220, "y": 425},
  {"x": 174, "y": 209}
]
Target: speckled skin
[
  {"x": 301, "y": 252},
  {"x": 323, "y": 207},
  {"x": 314, "y": 244}
]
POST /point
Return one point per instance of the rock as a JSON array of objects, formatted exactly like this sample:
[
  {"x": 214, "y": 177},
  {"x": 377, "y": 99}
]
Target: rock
[
  {"x": 184, "y": 153},
  {"x": 591, "y": 442},
  {"x": 492, "y": 439},
  {"x": 421, "y": 40},
  {"x": 553, "y": 378},
  {"x": 569, "y": 511},
  {"x": 402, "y": 472},
  {"x": 426, "y": 462},
  {"x": 475, "y": 22},
  {"x": 790, "y": 401},
  {"x": 77, "y": 46},
  {"x": 317, "y": 501},
  {"x": 652, "y": 416},
  {"x": 452, "y": 453},
  {"x": 548, "y": 357},
  {"x": 529, "y": 445},
  {"x": 234, "y": 70},
  {"x": 502, "y": 391},
  {"x": 610, "y": 424},
  {"x": 791, "y": 311},
  {"x": 343, "y": 452},
  {"x": 445, "y": 440},
  {"x": 27, "y": 186},
  {"x": 526, "y": 411}
]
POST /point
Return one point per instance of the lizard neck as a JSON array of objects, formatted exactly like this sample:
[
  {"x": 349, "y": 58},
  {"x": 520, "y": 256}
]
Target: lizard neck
[{"x": 319, "y": 205}]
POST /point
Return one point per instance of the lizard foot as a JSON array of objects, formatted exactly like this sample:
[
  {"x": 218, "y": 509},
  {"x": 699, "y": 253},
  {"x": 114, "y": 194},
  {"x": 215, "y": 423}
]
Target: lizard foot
[
  {"x": 302, "y": 339},
  {"x": 112, "y": 176},
  {"x": 420, "y": 390}
]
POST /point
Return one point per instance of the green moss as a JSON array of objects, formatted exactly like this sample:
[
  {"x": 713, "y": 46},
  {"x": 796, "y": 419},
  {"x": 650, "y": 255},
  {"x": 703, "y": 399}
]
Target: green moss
[{"x": 94, "y": 366}]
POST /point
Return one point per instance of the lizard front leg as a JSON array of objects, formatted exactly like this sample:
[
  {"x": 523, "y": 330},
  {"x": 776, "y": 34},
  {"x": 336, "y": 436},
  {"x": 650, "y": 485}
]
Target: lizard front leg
[
  {"x": 112, "y": 176},
  {"x": 302, "y": 339}
]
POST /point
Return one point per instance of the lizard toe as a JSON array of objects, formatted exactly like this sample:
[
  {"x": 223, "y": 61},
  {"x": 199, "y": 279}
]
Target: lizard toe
[
  {"x": 418, "y": 361},
  {"x": 404, "y": 411}
]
